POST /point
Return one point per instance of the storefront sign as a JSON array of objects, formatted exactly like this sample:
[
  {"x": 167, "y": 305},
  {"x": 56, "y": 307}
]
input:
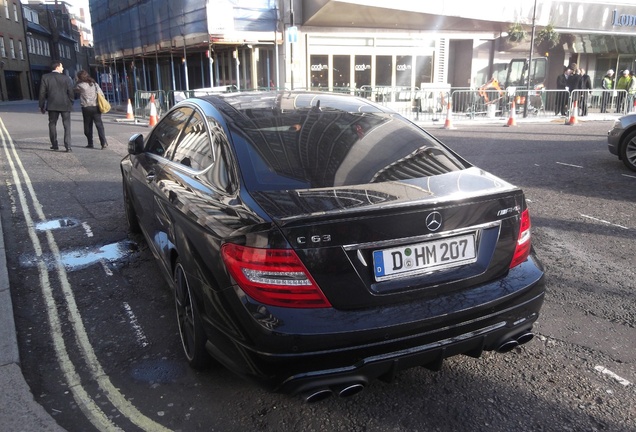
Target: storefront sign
[
  {"x": 623, "y": 20},
  {"x": 318, "y": 67}
]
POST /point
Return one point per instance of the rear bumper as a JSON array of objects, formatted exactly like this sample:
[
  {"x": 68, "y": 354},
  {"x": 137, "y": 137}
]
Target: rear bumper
[
  {"x": 486, "y": 335},
  {"x": 355, "y": 347}
]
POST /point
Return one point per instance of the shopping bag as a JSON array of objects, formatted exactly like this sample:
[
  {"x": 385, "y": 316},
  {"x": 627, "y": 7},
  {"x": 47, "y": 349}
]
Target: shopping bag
[{"x": 102, "y": 102}]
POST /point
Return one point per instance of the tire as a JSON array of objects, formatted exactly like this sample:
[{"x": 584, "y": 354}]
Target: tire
[
  {"x": 189, "y": 321},
  {"x": 628, "y": 151},
  {"x": 129, "y": 209}
]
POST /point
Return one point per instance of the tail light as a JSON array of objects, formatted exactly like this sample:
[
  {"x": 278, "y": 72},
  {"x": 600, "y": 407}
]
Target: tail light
[
  {"x": 523, "y": 241},
  {"x": 274, "y": 277}
]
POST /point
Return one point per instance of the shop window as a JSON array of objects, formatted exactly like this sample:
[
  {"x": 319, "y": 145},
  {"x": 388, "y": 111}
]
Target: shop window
[
  {"x": 362, "y": 71},
  {"x": 319, "y": 67},
  {"x": 423, "y": 70},
  {"x": 341, "y": 71},
  {"x": 384, "y": 69},
  {"x": 266, "y": 71},
  {"x": 403, "y": 71}
]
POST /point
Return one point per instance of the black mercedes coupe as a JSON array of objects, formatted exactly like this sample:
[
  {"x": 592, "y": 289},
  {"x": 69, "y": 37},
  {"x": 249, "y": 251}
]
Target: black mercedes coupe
[{"x": 317, "y": 241}]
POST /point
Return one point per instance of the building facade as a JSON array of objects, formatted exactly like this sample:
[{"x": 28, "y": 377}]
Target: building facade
[
  {"x": 14, "y": 63},
  {"x": 346, "y": 44}
]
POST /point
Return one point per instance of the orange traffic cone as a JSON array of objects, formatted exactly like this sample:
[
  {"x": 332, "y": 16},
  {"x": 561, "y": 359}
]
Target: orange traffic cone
[
  {"x": 153, "y": 112},
  {"x": 512, "y": 121},
  {"x": 129, "y": 111},
  {"x": 573, "y": 114},
  {"x": 448, "y": 124}
]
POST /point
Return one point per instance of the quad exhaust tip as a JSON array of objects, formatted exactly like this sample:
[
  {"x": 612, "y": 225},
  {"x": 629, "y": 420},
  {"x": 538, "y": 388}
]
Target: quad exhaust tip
[
  {"x": 515, "y": 341},
  {"x": 317, "y": 395},
  {"x": 343, "y": 390}
]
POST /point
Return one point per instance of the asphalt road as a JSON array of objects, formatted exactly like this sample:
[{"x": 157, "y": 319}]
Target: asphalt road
[{"x": 99, "y": 342}]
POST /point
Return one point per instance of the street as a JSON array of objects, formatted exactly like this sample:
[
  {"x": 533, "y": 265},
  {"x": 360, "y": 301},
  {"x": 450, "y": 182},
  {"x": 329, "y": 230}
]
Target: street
[{"x": 99, "y": 342}]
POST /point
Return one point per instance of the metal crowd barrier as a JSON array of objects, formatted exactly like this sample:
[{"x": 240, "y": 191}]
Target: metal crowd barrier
[
  {"x": 141, "y": 106},
  {"x": 431, "y": 104}
]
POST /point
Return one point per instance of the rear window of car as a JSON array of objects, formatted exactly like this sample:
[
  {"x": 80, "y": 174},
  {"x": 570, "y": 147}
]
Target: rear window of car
[{"x": 318, "y": 148}]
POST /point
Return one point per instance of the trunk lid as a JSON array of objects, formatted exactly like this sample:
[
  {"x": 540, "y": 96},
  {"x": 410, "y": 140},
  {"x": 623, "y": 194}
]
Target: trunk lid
[{"x": 385, "y": 242}]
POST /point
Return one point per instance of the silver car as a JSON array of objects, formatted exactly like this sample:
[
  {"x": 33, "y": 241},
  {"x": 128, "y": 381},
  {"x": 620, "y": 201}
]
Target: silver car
[{"x": 621, "y": 140}]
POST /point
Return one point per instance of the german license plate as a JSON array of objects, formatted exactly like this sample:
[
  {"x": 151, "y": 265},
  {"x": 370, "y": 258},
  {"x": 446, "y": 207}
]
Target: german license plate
[{"x": 425, "y": 256}]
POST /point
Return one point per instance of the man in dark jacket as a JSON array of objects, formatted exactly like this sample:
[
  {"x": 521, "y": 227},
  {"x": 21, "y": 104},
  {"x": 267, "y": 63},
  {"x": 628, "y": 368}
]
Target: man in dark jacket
[
  {"x": 562, "y": 96},
  {"x": 585, "y": 85},
  {"x": 57, "y": 97}
]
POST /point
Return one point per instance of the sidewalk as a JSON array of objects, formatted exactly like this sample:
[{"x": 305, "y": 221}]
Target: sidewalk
[{"x": 20, "y": 411}]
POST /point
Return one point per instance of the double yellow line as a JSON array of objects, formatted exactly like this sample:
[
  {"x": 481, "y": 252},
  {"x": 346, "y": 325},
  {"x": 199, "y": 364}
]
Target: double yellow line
[{"x": 86, "y": 403}]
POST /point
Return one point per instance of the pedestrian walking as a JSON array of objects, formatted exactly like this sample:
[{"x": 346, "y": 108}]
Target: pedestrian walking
[
  {"x": 607, "y": 84},
  {"x": 57, "y": 97},
  {"x": 88, "y": 90},
  {"x": 585, "y": 86}
]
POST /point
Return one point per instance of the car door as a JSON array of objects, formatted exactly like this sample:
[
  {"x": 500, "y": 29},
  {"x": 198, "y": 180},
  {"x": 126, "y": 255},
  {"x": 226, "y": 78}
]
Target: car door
[{"x": 147, "y": 168}]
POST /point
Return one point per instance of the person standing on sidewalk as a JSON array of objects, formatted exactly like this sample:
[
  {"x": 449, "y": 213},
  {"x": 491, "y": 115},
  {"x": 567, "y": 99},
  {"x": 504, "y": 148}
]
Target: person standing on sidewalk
[
  {"x": 623, "y": 84},
  {"x": 631, "y": 93},
  {"x": 88, "y": 89},
  {"x": 57, "y": 97},
  {"x": 607, "y": 84},
  {"x": 585, "y": 85},
  {"x": 561, "y": 101}
]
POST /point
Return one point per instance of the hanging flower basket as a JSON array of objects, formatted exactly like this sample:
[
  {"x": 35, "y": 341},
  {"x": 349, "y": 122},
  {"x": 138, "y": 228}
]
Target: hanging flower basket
[
  {"x": 547, "y": 38},
  {"x": 516, "y": 33}
]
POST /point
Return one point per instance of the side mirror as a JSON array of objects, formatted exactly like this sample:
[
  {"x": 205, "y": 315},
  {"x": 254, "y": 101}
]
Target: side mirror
[{"x": 136, "y": 144}]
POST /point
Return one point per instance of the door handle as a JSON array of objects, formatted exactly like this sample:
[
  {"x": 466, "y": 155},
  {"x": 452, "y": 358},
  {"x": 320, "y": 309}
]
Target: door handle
[{"x": 150, "y": 176}]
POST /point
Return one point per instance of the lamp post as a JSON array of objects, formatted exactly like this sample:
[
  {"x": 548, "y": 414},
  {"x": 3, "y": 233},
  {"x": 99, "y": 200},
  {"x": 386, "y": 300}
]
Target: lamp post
[{"x": 525, "y": 102}]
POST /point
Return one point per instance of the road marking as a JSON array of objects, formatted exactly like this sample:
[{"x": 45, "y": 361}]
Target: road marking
[
  {"x": 88, "y": 406},
  {"x": 630, "y": 176},
  {"x": 14, "y": 208},
  {"x": 107, "y": 270},
  {"x": 603, "y": 221},
  {"x": 611, "y": 374},
  {"x": 87, "y": 229},
  {"x": 570, "y": 165},
  {"x": 141, "y": 337}
]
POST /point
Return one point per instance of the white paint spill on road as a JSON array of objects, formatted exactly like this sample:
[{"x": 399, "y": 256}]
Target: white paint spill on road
[{"x": 56, "y": 224}]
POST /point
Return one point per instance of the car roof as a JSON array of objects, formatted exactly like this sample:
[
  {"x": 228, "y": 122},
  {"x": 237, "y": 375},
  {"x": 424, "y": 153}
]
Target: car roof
[{"x": 294, "y": 100}]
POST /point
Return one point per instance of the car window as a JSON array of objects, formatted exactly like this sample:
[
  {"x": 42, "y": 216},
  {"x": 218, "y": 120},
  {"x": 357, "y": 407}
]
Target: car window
[
  {"x": 167, "y": 131},
  {"x": 193, "y": 148},
  {"x": 219, "y": 174},
  {"x": 317, "y": 148}
]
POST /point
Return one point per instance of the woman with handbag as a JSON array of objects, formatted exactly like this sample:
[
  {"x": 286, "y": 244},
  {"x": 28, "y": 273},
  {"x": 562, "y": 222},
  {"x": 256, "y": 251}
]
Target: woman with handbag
[{"x": 88, "y": 90}]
